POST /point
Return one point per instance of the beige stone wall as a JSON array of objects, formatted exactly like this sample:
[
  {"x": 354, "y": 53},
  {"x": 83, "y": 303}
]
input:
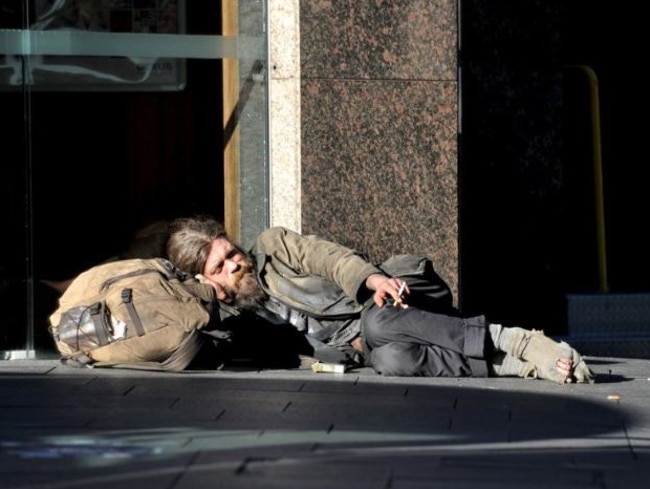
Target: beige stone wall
[{"x": 285, "y": 113}]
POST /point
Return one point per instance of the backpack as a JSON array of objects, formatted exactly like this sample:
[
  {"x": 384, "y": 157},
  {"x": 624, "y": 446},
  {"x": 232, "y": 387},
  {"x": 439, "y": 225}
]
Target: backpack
[{"x": 135, "y": 313}]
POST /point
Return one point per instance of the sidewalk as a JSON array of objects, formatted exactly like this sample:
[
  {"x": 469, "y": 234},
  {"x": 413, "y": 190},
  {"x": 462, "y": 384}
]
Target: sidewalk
[{"x": 64, "y": 427}]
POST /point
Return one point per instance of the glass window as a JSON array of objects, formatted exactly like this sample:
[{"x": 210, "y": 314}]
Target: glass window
[{"x": 116, "y": 116}]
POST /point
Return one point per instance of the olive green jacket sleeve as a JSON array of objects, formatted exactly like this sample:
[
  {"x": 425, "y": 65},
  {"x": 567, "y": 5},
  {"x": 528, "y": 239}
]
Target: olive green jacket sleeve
[{"x": 286, "y": 252}]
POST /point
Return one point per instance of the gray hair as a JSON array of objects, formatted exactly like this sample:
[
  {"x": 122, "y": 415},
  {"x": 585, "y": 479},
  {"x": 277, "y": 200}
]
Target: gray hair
[{"x": 190, "y": 241}]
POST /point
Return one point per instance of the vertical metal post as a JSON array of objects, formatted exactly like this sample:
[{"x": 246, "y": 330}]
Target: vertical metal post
[{"x": 594, "y": 99}]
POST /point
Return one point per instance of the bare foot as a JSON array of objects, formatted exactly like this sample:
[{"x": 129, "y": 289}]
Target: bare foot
[
  {"x": 571, "y": 369},
  {"x": 564, "y": 367},
  {"x": 554, "y": 361},
  {"x": 580, "y": 371}
]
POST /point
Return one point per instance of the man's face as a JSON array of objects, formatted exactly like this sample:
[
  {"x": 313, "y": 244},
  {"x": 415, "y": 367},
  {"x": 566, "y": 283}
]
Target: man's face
[{"x": 232, "y": 273}]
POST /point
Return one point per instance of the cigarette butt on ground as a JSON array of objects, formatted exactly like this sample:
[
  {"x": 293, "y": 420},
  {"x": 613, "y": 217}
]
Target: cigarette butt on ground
[{"x": 330, "y": 368}]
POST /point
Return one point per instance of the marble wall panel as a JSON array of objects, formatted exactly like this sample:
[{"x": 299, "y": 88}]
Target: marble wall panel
[
  {"x": 379, "y": 172},
  {"x": 389, "y": 39},
  {"x": 379, "y": 119}
]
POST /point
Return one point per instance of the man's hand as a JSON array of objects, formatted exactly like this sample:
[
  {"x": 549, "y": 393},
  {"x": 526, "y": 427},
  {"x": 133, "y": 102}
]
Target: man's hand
[
  {"x": 221, "y": 293},
  {"x": 386, "y": 288}
]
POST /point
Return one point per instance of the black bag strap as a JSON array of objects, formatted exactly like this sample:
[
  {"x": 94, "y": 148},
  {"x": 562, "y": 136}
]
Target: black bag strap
[
  {"x": 127, "y": 300},
  {"x": 97, "y": 312},
  {"x": 143, "y": 271}
]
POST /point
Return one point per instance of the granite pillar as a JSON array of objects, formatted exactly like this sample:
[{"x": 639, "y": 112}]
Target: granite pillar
[{"x": 379, "y": 119}]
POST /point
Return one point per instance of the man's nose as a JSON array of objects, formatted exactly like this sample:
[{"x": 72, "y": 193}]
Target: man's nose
[{"x": 232, "y": 265}]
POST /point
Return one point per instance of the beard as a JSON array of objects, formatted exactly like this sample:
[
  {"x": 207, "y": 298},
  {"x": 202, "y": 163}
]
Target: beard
[{"x": 246, "y": 291}]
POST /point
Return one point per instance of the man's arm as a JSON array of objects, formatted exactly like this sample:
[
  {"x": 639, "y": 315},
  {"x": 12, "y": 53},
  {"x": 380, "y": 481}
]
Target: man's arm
[
  {"x": 342, "y": 265},
  {"x": 317, "y": 256}
]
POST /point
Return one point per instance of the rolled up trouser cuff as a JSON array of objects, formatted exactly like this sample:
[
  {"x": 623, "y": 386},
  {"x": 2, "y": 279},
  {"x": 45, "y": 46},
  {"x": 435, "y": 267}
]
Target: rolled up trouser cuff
[{"x": 474, "y": 346}]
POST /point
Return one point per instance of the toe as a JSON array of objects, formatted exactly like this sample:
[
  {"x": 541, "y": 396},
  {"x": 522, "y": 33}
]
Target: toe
[
  {"x": 563, "y": 366},
  {"x": 581, "y": 371}
]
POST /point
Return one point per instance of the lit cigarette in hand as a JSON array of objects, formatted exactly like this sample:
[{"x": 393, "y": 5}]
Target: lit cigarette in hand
[
  {"x": 401, "y": 289},
  {"x": 399, "y": 302}
]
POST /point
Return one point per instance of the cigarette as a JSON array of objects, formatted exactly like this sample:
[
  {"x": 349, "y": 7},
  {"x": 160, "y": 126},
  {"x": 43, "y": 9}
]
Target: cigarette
[
  {"x": 401, "y": 289},
  {"x": 399, "y": 302}
]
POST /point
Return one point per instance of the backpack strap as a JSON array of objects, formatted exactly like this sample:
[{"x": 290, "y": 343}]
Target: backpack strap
[
  {"x": 127, "y": 300},
  {"x": 97, "y": 312}
]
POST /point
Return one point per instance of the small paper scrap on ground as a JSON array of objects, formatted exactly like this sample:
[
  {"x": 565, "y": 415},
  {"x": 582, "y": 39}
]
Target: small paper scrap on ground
[
  {"x": 330, "y": 368},
  {"x": 614, "y": 397}
]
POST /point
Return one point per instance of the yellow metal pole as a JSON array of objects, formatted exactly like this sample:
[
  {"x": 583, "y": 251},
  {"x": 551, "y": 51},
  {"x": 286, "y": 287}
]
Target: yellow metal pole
[{"x": 598, "y": 177}]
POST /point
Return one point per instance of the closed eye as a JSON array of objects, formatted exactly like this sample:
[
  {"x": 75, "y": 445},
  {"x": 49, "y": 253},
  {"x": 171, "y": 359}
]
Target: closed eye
[{"x": 216, "y": 268}]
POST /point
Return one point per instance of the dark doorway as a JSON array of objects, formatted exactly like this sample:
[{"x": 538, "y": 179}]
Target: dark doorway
[
  {"x": 528, "y": 225},
  {"x": 84, "y": 169}
]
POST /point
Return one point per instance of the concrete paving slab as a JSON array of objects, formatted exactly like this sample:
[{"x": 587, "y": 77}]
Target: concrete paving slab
[{"x": 62, "y": 427}]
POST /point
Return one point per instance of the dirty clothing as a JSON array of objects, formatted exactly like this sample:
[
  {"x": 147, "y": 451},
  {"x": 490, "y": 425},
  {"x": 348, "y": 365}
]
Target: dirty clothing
[{"x": 319, "y": 287}]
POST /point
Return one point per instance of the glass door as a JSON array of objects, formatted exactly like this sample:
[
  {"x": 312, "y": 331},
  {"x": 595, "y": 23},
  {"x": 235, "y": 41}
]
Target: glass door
[{"x": 115, "y": 118}]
